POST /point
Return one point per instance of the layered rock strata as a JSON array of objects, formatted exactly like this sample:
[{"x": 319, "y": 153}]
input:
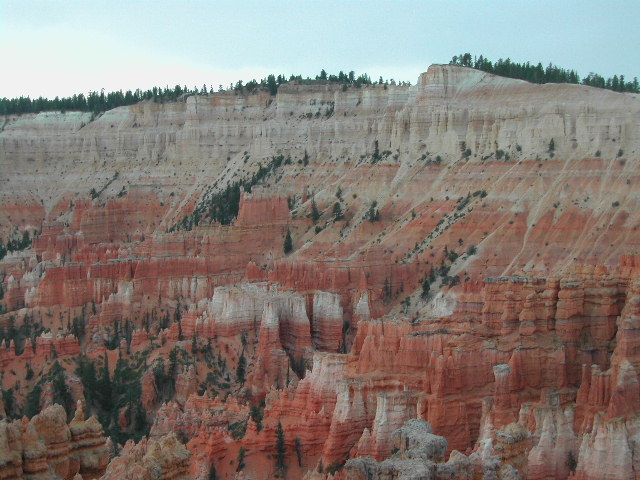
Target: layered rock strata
[
  {"x": 48, "y": 447},
  {"x": 494, "y": 294}
]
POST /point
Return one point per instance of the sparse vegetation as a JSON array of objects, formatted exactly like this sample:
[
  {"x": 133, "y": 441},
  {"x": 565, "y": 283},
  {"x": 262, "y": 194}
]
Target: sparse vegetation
[
  {"x": 16, "y": 243},
  {"x": 223, "y": 206}
]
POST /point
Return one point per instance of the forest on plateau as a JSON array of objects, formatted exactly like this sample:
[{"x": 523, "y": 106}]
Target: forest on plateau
[
  {"x": 539, "y": 74},
  {"x": 98, "y": 102}
]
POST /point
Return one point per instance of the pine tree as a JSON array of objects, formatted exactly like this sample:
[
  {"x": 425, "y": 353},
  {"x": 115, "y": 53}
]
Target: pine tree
[
  {"x": 241, "y": 370},
  {"x": 241, "y": 455},
  {"x": 32, "y": 403},
  {"x": 386, "y": 290},
  {"x": 11, "y": 406},
  {"x": 173, "y": 369},
  {"x": 62, "y": 394},
  {"x": 315, "y": 214},
  {"x": 337, "y": 211},
  {"x": 213, "y": 475},
  {"x": 288, "y": 243},
  {"x": 373, "y": 214},
  {"x": 257, "y": 416},
  {"x": 298, "y": 444},
  {"x": 280, "y": 450},
  {"x": 140, "y": 418},
  {"x": 426, "y": 286},
  {"x": 104, "y": 386}
]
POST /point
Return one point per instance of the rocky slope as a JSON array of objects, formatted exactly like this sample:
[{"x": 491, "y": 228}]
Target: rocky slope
[{"x": 495, "y": 293}]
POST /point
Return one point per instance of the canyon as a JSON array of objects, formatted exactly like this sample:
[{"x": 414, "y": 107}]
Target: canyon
[{"x": 462, "y": 298}]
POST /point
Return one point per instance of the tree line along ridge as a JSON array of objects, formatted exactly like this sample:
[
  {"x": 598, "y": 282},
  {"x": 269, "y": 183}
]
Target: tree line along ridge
[
  {"x": 539, "y": 74},
  {"x": 98, "y": 102}
]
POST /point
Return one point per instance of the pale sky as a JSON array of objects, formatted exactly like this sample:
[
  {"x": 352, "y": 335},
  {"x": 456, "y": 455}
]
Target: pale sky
[{"x": 51, "y": 47}]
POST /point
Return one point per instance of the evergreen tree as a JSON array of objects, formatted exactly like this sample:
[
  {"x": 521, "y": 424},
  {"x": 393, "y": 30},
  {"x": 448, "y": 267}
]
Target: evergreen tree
[
  {"x": 337, "y": 211},
  {"x": 272, "y": 85},
  {"x": 62, "y": 394},
  {"x": 241, "y": 370},
  {"x": 373, "y": 214},
  {"x": 288, "y": 243},
  {"x": 537, "y": 74},
  {"x": 32, "y": 403},
  {"x": 241, "y": 455},
  {"x": 386, "y": 290},
  {"x": 86, "y": 370},
  {"x": 280, "y": 450},
  {"x": 298, "y": 443},
  {"x": 11, "y": 406},
  {"x": 213, "y": 475},
  {"x": 257, "y": 416},
  {"x": 140, "y": 418},
  {"x": 105, "y": 388},
  {"x": 315, "y": 214},
  {"x": 173, "y": 370},
  {"x": 426, "y": 286}
]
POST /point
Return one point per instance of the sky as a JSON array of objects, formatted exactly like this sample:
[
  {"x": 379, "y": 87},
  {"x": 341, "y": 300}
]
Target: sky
[{"x": 58, "y": 48}]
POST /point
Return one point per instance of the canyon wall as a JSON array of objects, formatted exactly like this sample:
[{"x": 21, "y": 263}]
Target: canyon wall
[{"x": 465, "y": 252}]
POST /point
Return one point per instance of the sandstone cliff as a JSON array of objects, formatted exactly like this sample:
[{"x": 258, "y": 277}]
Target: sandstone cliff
[{"x": 495, "y": 294}]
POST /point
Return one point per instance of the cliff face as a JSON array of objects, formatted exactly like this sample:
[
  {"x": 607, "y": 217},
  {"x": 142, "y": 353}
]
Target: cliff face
[{"x": 494, "y": 294}]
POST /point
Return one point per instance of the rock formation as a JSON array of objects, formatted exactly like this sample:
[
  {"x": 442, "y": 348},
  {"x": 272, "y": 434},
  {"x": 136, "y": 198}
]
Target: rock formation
[
  {"x": 48, "y": 447},
  {"x": 420, "y": 454},
  {"x": 164, "y": 458},
  {"x": 495, "y": 295}
]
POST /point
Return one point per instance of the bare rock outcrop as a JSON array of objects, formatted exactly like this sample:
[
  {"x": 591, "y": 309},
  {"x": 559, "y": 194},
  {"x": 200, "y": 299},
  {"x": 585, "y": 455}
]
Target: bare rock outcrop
[
  {"x": 48, "y": 447},
  {"x": 419, "y": 455},
  {"x": 163, "y": 459}
]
